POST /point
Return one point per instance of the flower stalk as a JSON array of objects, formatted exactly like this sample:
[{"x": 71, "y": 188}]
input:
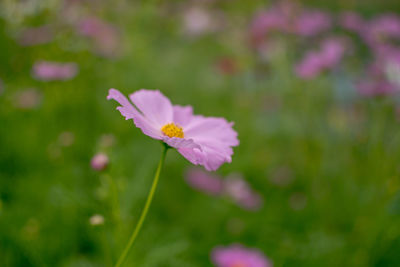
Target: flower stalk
[{"x": 145, "y": 209}]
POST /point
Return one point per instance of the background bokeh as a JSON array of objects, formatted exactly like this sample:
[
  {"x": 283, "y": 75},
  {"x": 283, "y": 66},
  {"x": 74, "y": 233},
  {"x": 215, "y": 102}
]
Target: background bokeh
[{"x": 321, "y": 149}]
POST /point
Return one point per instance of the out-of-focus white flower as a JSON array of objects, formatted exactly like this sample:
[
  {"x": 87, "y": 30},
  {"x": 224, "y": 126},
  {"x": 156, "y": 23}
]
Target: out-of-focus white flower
[
  {"x": 393, "y": 72},
  {"x": 198, "y": 21},
  {"x": 96, "y": 219}
]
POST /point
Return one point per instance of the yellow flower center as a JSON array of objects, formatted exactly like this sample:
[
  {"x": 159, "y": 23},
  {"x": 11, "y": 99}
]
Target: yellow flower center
[
  {"x": 239, "y": 264},
  {"x": 172, "y": 130}
]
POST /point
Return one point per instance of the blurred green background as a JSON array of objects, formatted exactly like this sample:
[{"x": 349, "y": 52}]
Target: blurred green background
[{"x": 324, "y": 158}]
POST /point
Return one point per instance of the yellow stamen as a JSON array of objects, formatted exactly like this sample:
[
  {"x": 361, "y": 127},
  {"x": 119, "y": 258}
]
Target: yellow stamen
[
  {"x": 238, "y": 264},
  {"x": 172, "y": 130}
]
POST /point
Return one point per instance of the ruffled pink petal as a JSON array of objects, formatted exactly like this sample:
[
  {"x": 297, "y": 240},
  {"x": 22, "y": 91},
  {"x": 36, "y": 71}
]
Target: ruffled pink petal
[
  {"x": 212, "y": 157},
  {"x": 180, "y": 142},
  {"x": 211, "y": 130},
  {"x": 129, "y": 112},
  {"x": 154, "y": 106},
  {"x": 182, "y": 115},
  {"x": 215, "y": 136},
  {"x": 193, "y": 155}
]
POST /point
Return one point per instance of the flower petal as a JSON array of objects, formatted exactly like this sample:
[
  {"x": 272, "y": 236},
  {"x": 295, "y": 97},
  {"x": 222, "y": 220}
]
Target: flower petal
[
  {"x": 193, "y": 155},
  {"x": 208, "y": 155},
  {"x": 215, "y": 137},
  {"x": 177, "y": 142},
  {"x": 129, "y": 112},
  {"x": 182, "y": 115},
  {"x": 126, "y": 108},
  {"x": 211, "y": 130},
  {"x": 154, "y": 106}
]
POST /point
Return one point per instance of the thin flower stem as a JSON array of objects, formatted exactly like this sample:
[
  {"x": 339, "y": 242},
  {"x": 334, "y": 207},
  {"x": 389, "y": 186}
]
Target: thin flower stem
[{"x": 145, "y": 210}]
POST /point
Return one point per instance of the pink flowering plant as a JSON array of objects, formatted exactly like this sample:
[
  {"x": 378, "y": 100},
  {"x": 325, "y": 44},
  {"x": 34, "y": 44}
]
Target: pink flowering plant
[
  {"x": 234, "y": 187},
  {"x": 237, "y": 255},
  {"x": 205, "y": 141}
]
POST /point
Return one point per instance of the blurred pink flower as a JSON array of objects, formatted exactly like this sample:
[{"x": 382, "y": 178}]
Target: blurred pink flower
[
  {"x": 234, "y": 186},
  {"x": 27, "y": 99},
  {"x": 312, "y": 22},
  {"x": 386, "y": 53},
  {"x": 375, "y": 87},
  {"x": 99, "y": 162},
  {"x": 382, "y": 76},
  {"x": 36, "y": 36},
  {"x": 205, "y": 182},
  {"x": 287, "y": 17},
  {"x": 382, "y": 33},
  {"x": 264, "y": 22},
  {"x": 352, "y": 21},
  {"x": 310, "y": 66},
  {"x": 241, "y": 193},
  {"x": 51, "y": 71},
  {"x": 237, "y": 255},
  {"x": 385, "y": 25},
  {"x": 205, "y": 141},
  {"x": 314, "y": 62},
  {"x": 106, "y": 37}
]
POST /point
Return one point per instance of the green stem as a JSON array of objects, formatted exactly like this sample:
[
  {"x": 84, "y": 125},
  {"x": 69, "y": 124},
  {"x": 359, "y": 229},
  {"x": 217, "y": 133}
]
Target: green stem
[{"x": 145, "y": 210}]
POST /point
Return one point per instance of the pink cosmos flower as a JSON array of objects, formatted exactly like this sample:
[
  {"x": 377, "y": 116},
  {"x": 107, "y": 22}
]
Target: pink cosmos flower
[
  {"x": 312, "y": 22},
  {"x": 353, "y": 22},
  {"x": 381, "y": 31},
  {"x": 205, "y": 182},
  {"x": 205, "y": 141},
  {"x": 241, "y": 193},
  {"x": 386, "y": 25},
  {"x": 234, "y": 187},
  {"x": 314, "y": 62},
  {"x": 287, "y": 17},
  {"x": 267, "y": 21},
  {"x": 375, "y": 87},
  {"x": 237, "y": 255},
  {"x": 52, "y": 71},
  {"x": 106, "y": 37},
  {"x": 381, "y": 77}
]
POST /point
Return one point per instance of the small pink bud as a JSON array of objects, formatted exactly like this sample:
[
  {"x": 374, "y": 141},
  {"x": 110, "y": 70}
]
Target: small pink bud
[{"x": 99, "y": 162}]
